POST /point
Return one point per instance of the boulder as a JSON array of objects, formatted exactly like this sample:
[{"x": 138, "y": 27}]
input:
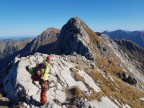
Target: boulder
[{"x": 127, "y": 78}]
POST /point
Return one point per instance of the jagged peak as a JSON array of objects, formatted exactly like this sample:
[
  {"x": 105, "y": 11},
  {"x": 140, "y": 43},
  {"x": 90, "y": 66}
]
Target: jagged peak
[
  {"x": 76, "y": 36},
  {"x": 79, "y": 23},
  {"x": 75, "y": 20}
]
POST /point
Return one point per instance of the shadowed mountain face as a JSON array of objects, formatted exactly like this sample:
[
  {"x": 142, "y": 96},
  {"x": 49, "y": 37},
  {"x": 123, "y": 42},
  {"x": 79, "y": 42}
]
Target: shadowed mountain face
[
  {"x": 134, "y": 51},
  {"x": 75, "y": 37},
  {"x": 135, "y": 36}
]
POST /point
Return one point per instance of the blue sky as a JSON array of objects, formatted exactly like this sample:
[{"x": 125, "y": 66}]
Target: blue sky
[{"x": 31, "y": 17}]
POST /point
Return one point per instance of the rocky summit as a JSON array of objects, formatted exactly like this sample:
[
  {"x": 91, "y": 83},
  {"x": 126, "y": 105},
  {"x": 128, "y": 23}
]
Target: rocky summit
[
  {"x": 74, "y": 38},
  {"x": 88, "y": 70}
]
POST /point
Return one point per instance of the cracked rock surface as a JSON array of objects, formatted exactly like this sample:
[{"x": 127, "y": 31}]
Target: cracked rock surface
[{"x": 18, "y": 82}]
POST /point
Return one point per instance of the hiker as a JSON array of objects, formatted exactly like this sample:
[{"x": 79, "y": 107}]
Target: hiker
[{"x": 41, "y": 73}]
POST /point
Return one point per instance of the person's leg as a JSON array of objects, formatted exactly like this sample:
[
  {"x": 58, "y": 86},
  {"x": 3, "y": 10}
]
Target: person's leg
[
  {"x": 34, "y": 78},
  {"x": 44, "y": 92},
  {"x": 43, "y": 97}
]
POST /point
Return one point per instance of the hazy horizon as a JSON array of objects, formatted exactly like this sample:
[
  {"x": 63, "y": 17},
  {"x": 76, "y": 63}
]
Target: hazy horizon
[{"x": 18, "y": 37}]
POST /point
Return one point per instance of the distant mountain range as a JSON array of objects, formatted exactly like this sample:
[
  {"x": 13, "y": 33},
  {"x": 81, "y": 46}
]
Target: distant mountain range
[
  {"x": 10, "y": 48},
  {"x": 135, "y": 36}
]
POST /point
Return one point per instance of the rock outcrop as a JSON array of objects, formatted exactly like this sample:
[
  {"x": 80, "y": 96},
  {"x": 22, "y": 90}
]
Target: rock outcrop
[
  {"x": 125, "y": 63},
  {"x": 127, "y": 78},
  {"x": 68, "y": 84},
  {"x": 74, "y": 38}
]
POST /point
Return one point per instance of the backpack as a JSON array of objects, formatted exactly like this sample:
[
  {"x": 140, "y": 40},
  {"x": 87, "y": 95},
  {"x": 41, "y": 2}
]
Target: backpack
[
  {"x": 40, "y": 67},
  {"x": 31, "y": 70}
]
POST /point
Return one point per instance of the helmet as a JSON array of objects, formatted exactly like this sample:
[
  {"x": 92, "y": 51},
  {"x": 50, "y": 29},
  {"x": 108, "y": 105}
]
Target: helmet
[{"x": 49, "y": 57}]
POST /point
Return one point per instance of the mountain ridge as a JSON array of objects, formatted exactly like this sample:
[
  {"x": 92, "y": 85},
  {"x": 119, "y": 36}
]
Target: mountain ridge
[
  {"x": 134, "y": 51},
  {"x": 80, "y": 58}
]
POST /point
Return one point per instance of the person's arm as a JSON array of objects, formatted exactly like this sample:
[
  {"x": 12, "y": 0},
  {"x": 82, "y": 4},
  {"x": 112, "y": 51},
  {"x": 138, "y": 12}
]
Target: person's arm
[{"x": 38, "y": 72}]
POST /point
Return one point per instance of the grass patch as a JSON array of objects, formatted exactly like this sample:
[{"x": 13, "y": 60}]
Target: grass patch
[
  {"x": 123, "y": 92},
  {"x": 113, "y": 66},
  {"x": 114, "y": 69},
  {"x": 92, "y": 34},
  {"x": 119, "y": 90}
]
